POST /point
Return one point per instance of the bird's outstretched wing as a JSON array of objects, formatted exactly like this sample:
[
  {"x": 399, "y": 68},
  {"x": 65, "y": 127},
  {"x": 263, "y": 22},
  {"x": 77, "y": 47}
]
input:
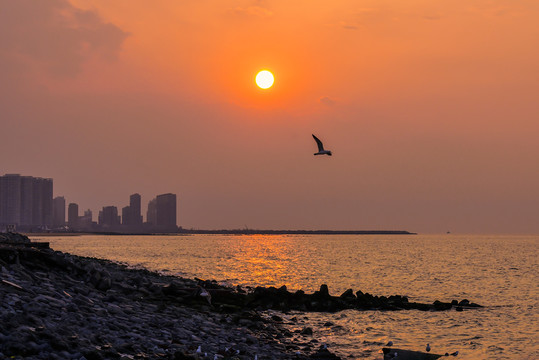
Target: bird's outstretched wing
[{"x": 319, "y": 143}]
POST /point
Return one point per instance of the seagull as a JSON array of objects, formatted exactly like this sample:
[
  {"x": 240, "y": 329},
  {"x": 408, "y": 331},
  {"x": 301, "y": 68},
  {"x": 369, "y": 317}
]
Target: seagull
[
  {"x": 428, "y": 348},
  {"x": 390, "y": 343},
  {"x": 321, "y": 150}
]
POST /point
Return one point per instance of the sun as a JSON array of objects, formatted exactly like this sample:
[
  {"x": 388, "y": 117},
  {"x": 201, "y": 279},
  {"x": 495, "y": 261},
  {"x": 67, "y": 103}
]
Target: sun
[{"x": 264, "y": 79}]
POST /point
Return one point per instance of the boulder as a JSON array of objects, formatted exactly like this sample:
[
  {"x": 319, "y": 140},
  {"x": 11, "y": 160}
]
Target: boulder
[{"x": 348, "y": 294}]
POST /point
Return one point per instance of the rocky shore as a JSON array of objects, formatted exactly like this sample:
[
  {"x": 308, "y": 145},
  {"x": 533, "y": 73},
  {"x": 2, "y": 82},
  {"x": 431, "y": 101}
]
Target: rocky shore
[{"x": 60, "y": 306}]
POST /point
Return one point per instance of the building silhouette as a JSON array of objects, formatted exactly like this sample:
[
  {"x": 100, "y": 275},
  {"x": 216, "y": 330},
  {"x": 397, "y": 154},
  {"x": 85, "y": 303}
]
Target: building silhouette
[
  {"x": 126, "y": 215},
  {"x": 131, "y": 215},
  {"x": 135, "y": 210},
  {"x": 161, "y": 215},
  {"x": 151, "y": 213},
  {"x": 26, "y": 201},
  {"x": 108, "y": 218},
  {"x": 73, "y": 215},
  {"x": 27, "y": 204},
  {"x": 59, "y": 211},
  {"x": 85, "y": 221},
  {"x": 166, "y": 211}
]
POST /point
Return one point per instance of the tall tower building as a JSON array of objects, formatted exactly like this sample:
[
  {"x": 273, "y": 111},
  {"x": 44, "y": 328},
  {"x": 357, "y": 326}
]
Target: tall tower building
[
  {"x": 109, "y": 217},
  {"x": 10, "y": 199},
  {"x": 42, "y": 202},
  {"x": 46, "y": 202},
  {"x": 59, "y": 211},
  {"x": 73, "y": 215},
  {"x": 151, "y": 215},
  {"x": 126, "y": 215},
  {"x": 25, "y": 200},
  {"x": 166, "y": 211},
  {"x": 135, "y": 210}
]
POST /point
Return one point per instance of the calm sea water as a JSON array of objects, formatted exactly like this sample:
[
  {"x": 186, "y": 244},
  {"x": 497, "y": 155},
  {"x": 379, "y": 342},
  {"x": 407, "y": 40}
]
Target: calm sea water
[{"x": 499, "y": 272}]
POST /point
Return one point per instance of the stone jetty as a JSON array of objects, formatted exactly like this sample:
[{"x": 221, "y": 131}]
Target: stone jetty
[{"x": 55, "y": 305}]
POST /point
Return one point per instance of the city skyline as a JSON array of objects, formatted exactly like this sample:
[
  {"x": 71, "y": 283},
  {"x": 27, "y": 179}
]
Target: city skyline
[
  {"x": 429, "y": 108},
  {"x": 29, "y": 203}
]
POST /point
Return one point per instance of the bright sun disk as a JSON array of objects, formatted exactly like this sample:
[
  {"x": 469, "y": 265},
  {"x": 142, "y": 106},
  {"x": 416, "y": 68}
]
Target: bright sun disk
[{"x": 264, "y": 79}]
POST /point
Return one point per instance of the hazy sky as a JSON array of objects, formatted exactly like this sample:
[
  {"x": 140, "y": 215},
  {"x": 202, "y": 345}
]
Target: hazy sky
[{"x": 431, "y": 109}]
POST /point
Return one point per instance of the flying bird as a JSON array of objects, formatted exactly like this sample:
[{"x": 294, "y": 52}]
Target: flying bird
[{"x": 321, "y": 150}]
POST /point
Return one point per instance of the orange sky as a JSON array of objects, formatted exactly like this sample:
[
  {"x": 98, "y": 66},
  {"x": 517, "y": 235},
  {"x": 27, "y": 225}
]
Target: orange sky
[{"x": 430, "y": 108}]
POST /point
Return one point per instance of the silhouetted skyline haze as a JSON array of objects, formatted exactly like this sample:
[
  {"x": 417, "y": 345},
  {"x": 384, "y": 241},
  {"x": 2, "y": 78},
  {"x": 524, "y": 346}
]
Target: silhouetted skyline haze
[{"x": 430, "y": 109}]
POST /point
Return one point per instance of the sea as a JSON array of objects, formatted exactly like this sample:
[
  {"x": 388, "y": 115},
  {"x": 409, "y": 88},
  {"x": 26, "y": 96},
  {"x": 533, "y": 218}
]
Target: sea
[{"x": 499, "y": 272}]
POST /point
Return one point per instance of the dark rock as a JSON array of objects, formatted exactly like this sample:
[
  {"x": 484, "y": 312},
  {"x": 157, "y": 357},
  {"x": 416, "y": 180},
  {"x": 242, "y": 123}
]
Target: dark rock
[
  {"x": 324, "y": 354},
  {"x": 180, "y": 355},
  {"x": 348, "y": 294},
  {"x": 440, "y": 306},
  {"x": 170, "y": 289},
  {"x": 324, "y": 291},
  {"x": 14, "y": 238},
  {"x": 104, "y": 284},
  {"x": 92, "y": 355}
]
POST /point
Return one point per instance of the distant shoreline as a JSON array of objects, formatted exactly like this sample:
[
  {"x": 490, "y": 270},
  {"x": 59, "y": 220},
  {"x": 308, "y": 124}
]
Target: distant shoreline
[
  {"x": 299, "y": 232},
  {"x": 236, "y": 232}
]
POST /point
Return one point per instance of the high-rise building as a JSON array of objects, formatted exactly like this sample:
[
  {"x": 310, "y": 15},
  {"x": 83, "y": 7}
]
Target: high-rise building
[
  {"x": 131, "y": 216},
  {"x": 166, "y": 210},
  {"x": 126, "y": 215},
  {"x": 59, "y": 211},
  {"x": 85, "y": 221},
  {"x": 25, "y": 200},
  {"x": 73, "y": 216},
  {"x": 151, "y": 214},
  {"x": 135, "y": 210},
  {"x": 109, "y": 217},
  {"x": 161, "y": 215},
  {"x": 46, "y": 202},
  {"x": 10, "y": 199}
]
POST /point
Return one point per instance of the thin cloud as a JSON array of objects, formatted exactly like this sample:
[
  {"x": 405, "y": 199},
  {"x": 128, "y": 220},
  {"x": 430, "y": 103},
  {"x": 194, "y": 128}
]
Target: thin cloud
[
  {"x": 253, "y": 11},
  {"x": 348, "y": 26},
  {"x": 54, "y": 35},
  {"x": 432, "y": 17},
  {"x": 327, "y": 101}
]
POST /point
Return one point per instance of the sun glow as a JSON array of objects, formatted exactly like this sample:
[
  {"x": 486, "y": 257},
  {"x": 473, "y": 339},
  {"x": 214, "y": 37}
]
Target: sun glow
[{"x": 264, "y": 79}]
